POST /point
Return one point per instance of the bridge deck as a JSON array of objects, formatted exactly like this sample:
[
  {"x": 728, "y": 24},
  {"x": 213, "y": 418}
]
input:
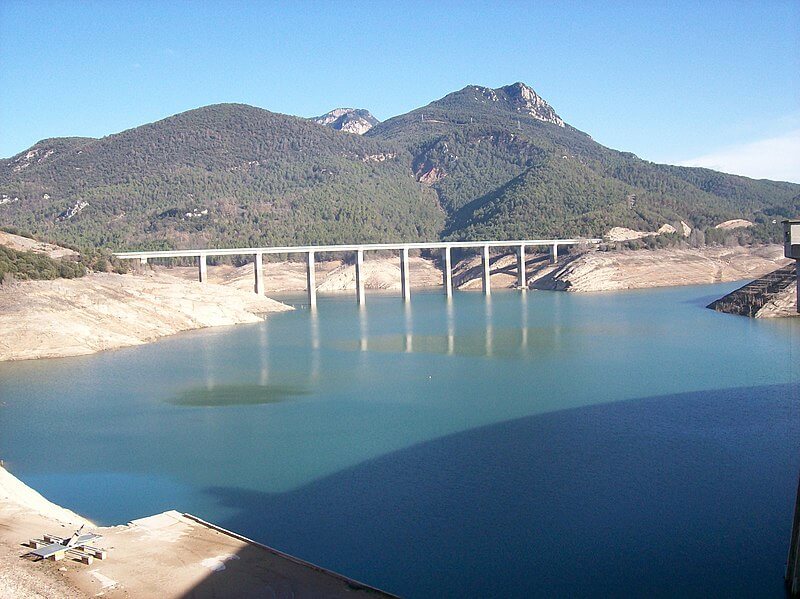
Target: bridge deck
[
  {"x": 302, "y": 249},
  {"x": 359, "y": 249}
]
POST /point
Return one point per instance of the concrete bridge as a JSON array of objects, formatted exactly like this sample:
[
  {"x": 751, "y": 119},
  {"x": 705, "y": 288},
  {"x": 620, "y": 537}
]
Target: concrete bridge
[{"x": 403, "y": 248}]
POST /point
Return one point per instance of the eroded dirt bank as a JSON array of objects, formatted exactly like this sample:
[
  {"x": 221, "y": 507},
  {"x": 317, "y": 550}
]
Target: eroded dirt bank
[
  {"x": 611, "y": 271},
  {"x": 49, "y": 319}
]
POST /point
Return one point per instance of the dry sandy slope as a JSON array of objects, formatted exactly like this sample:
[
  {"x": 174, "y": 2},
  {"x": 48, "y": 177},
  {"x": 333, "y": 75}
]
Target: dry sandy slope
[
  {"x": 331, "y": 276},
  {"x": 16, "y": 494},
  {"x": 24, "y": 244},
  {"x": 45, "y": 319},
  {"x": 279, "y": 277},
  {"x": 383, "y": 273},
  {"x": 609, "y": 271}
]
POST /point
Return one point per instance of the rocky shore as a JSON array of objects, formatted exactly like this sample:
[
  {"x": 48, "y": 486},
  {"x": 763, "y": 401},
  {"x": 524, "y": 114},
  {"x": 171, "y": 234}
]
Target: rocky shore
[{"x": 773, "y": 295}]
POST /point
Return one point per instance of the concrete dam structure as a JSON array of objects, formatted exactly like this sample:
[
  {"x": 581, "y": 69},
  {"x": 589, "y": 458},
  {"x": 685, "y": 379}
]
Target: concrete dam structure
[{"x": 402, "y": 248}]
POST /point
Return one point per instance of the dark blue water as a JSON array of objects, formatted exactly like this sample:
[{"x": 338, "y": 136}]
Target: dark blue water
[{"x": 537, "y": 444}]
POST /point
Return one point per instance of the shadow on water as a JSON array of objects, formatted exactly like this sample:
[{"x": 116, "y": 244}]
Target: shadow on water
[
  {"x": 260, "y": 572},
  {"x": 237, "y": 395},
  {"x": 704, "y": 300},
  {"x": 678, "y": 495}
]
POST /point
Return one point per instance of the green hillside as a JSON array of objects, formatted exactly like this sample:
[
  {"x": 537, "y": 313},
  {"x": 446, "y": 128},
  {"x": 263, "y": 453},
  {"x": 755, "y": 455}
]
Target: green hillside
[
  {"x": 478, "y": 163},
  {"x": 221, "y": 175},
  {"x": 502, "y": 167}
]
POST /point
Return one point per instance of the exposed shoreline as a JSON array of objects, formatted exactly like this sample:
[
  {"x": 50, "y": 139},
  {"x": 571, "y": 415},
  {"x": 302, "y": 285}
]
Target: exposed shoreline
[
  {"x": 642, "y": 269},
  {"x": 50, "y": 319},
  {"x": 771, "y": 296},
  {"x": 72, "y": 317},
  {"x": 587, "y": 271},
  {"x": 165, "y": 555}
]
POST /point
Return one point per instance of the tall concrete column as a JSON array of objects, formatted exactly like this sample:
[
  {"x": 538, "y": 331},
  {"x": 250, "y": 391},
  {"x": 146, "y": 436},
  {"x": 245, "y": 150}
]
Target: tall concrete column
[
  {"x": 554, "y": 254},
  {"x": 311, "y": 281},
  {"x": 360, "y": 276},
  {"x": 203, "y": 268},
  {"x": 404, "y": 278},
  {"x": 521, "y": 267},
  {"x": 487, "y": 287},
  {"x": 447, "y": 273},
  {"x": 258, "y": 269}
]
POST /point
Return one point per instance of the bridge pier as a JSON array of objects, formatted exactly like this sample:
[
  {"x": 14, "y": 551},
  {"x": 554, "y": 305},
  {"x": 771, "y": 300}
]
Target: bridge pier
[
  {"x": 554, "y": 254},
  {"x": 485, "y": 282},
  {"x": 405, "y": 272},
  {"x": 311, "y": 281},
  {"x": 405, "y": 283},
  {"x": 258, "y": 269},
  {"x": 203, "y": 268},
  {"x": 447, "y": 273},
  {"x": 360, "y": 277}
]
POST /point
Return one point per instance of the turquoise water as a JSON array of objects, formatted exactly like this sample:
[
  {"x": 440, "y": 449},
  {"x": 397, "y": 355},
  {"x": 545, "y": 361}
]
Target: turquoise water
[{"x": 533, "y": 444}]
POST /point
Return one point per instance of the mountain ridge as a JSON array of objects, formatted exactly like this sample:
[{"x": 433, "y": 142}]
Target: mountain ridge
[{"x": 477, "y": 162}]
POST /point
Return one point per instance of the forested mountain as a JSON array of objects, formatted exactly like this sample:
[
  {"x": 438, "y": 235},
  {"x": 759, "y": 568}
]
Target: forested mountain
[
  {"x": 503, "y": 163},
  {"x": 225, "y": 175},
  {"x": 477, "y": 163}
]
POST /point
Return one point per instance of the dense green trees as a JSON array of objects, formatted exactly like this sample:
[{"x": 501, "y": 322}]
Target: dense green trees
[
  {"x": 469, "y": 165},
  {"x": 500, "y": 173},
  {"x": 30, "y": 265},
  {"x": 220, "y": 175}
]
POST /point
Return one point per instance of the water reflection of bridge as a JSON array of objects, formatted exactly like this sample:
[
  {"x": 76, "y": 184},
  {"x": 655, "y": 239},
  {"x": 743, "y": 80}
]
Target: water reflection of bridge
[
  {"x": 403, "y": 248},
  {"x": 477, "y": 335}
]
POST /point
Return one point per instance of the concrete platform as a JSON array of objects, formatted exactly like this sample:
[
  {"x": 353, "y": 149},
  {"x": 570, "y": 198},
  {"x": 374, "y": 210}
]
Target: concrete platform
[{"x": 165, "y": 555}]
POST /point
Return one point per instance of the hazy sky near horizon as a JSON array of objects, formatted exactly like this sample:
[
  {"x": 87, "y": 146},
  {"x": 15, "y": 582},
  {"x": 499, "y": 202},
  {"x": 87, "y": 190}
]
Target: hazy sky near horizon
[{"x": 708, "y": 83}]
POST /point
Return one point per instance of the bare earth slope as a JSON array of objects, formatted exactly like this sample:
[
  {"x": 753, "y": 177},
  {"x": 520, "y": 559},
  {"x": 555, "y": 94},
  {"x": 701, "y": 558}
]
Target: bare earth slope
[
  {"x": 25, "y": 244},
  {"x": 609, "y": 271},
  {"x": 331, "y": 275},
  {"x": 46, "y": 319}
]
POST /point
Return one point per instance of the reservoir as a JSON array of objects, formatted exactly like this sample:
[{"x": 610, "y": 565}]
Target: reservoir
[{"x": 531, "y": 444}]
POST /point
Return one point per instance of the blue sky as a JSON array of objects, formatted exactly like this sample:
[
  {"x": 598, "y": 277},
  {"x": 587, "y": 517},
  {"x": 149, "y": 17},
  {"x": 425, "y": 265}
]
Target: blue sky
[{"x": 677, "y": 82}]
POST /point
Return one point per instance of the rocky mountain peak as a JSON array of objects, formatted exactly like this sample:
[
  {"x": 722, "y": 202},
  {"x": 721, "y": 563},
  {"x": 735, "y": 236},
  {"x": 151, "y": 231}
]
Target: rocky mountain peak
[
  {"x": 351, "y": 120},
  {"x": 523, "y": 99}
]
